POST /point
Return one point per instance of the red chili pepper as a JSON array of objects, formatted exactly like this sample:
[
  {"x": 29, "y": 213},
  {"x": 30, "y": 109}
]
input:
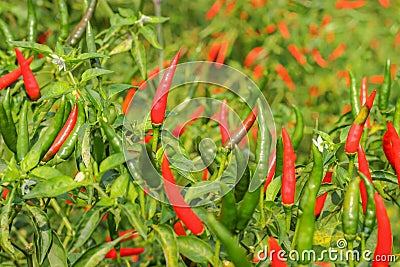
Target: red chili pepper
[
  {"x": 326, "y": 20},
  {"x": 296, "y": 53},
  {"x": 387, "y": 145},
  {"x": 258, "y": 3},
  {"x": 395, "y": 140},
  {"x": 258, "y": 72},
  {"x": 63, "y": 134},
  {"x": 205, "y": 174},
  {"x": 384, "y": 3},
  {"x": 288, "y": 171},
  {"x": 179, "y": 229},
  {"x": 319, "y": 205},
  {"x": 181, "y": 208},
  {"x": 252, "y": 56},
  {"x": 270, "y": 28},
  {"x": 318, "y": 58},
  {"x": 376, "y": 79},
  {"x": 222, "y": 52},
  {"x": 274, "y": 253},
  {"x": 283, "y": 29},
  {"x": 364, "y": 169},
  {"x": 214, "y": 49},
  {"x": 313, "y": 29},
  {"x": 214, "y": 10},
  {"x": 281, "y": 70},
  {"x": 128, "y": 99},
  {"x": 364, "y": 95},
  {"x": 384, "y": 238},
  {"x": 135, "y": 235},
  {"x": 4, "y": 194},
  {"x": 271, "y": 170},
  {"x": 356, "y": 129},
  {"x": 11, "y": 77},
  {"x": 159, "y": 104},
  {"x": 31, "y": 85},
  {"x": 230, "y": 7},
  {"x": 123, "y": 252},
  {"x": 345, "y": 4},
  {"x": 223, "y": 122},
  {"x": 337, "y": 52}
]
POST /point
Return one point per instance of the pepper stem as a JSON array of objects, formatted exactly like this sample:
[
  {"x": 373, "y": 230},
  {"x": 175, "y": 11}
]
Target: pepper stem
[
  {"x": 217, "y": 250},
  {"x": 362, "y": 244},
  {"x": 350, "y": 248},
  {"x": 222, "y": 165},
  {"x": 156, "y": 134}
]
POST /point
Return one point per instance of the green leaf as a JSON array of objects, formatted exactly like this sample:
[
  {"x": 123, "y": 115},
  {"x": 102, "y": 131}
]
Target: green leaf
[
  {"x": 124, "y": 46},
  {"x": 94, "y": 256},
  {"x": 196, "y": 249},
  {"x": 53, "y": 187},
  {"x": 85, "y": 56},
  {"x": 273, "y": 189},
  {"x": 131, "y": 212},
  {"x": 40, "y": 48},
  {"x": 87, "y": 229},
  {"x": 43, "y": 232},
  {"x": 126, "y": 12},
  {"x": 57, "y": 256},
  {"x": 384, "y": 176},
  {"x": 166, "y": 238},
  {"x": 4, "y": 226},
  {"x": 139, "y": 54},
  {"x": 157, "y": 20},
  {"x": 119, "y": 186},
  {"x": 45, "y": 172},
  {"x": 150, "y": 34},
  {"x": 112, "y": 162},
  {"x": 115, "y": 89},
  {"x": 55, "y": 90},
  {"x": 92, "y": 73}
]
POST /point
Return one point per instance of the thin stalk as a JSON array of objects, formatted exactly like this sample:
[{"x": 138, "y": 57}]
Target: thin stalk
[
  {"x": 156, "y": 134},
  {"x": 350, "y": 248},
  {"x": 157, "y": 9},
  {"x": 217, "y": 250}
]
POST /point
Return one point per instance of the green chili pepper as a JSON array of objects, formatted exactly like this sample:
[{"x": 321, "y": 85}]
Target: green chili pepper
[
  {"x": 8, "y": 36},
  {"x": 91, "y": 45},
  {"x": 68, "y": 147},
  {"x": 350, "y": 214},
  {"x": 32, "y": 22},
  {"x": 305, "y": 225},
  {"x": 354, "y": 96},
  {"x": 247, "y": 207},
  {"x": 45, "y": 141},
  {"x": 112, "y": 137},
  {"x": 98, "y": 146},
  {"x": 242, "y": 186},
  {"x": 385, "y": 88},
  {"x": 370, "y": 213},
  {"x": 64, "y": 19},
  {"x": 299, "y": 129},
  {"x": 396, "y": 117},
  {"x": 23, "y": 134},
  {"x": 7, "y": 125},
  {"x": 279, "y": 157},
  {"x": 228, "y": 213}
]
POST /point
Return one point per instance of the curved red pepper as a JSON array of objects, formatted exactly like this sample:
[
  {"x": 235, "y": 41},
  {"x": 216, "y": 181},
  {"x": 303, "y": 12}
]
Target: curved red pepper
[
  {"x": 395, "y": 140},
  {"x": 356, "y": 129},
  {"x": 288, "y": 188},
  {"x": 159, "y": 104},
  {"x": 63, "y": 134},
  {"x": 214, "y": 49},
  {"x": 181, "y": 208},
  {"x": 11, "y": 77},
  {"x": 319, "y": 205},
  {"x": 128, "y": 99},
  {"x": 271, "y": 170},
  {"x": 31, "y": 85},
  {"x": 273, "y": 253},
  {"x": 364, "y": 169},
  {"x": 384, "y": 240},
  {"x": 124, "y": 252},
  {"x": 387, "y": 146},
  {"x": 223, "y": 51},
  {"x": 223, "y": 122},
  {"x": 252, "y": 56}
]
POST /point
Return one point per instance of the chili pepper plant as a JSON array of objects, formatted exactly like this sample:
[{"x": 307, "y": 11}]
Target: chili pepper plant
[{"x": 110, "y": 158}]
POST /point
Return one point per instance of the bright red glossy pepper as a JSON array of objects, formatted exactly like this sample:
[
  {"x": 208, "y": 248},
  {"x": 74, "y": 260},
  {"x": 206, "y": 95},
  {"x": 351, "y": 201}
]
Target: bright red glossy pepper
[
  {"x": 273, "y": 253},
  {"x": 11, "y": 77},
  {"x": 124, "y": 252},
  {"x": 387, "y": 147},
  {"x": 296, "y": 53},
  {"x": 395, "y": 140},
  {"x": 159, "y": 104},
  {"x": 31, "y": 85},
  {"x": 128, "y": 99},
  {"x": 288, "y": 189},
  {"x": 364, "y": 169},
  {"x": 223, "y": 122},
  {"x": 181, "y": 208},
  {"x": 319, "y": 205},
  {"x": 63, "y": 134},
  {"x": 384, "y": 242},
  {"x": 356, "y": 129},
  {"x": 179, "y": 229}
]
